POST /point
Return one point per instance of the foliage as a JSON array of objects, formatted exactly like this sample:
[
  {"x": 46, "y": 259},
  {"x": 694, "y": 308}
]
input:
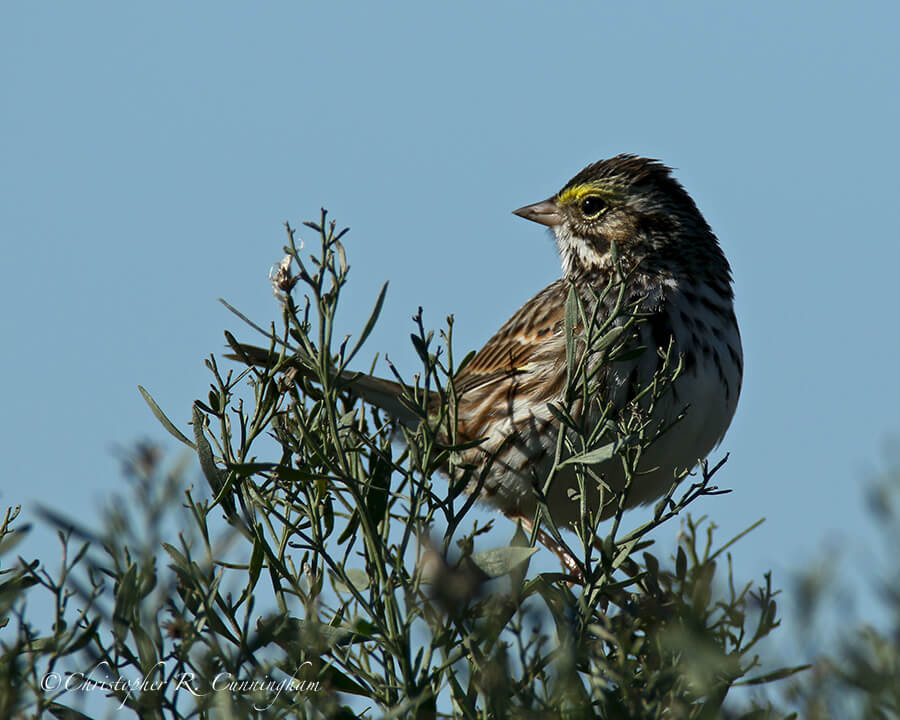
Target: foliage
[
  {"x": 337, "y": 566},
  {"x": 857, "y": 670}
]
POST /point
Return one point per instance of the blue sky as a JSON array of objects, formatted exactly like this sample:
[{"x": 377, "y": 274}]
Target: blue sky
[{"x": 151, "y": 153}]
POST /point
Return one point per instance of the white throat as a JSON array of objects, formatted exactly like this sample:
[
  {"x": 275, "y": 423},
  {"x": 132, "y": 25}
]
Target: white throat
[{"x": 575, "y": 252}]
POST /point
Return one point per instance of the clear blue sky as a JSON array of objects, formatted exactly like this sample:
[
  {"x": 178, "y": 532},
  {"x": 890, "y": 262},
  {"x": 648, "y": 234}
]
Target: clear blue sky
[{"x": 149, "y": 154}]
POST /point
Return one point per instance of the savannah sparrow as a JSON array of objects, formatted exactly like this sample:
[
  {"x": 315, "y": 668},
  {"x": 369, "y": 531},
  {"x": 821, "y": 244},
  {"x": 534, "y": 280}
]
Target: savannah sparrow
[{"x": 679, "y": 282}]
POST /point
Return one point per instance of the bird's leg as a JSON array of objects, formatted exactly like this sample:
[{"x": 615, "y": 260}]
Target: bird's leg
[{"x": 548, "y": 541}]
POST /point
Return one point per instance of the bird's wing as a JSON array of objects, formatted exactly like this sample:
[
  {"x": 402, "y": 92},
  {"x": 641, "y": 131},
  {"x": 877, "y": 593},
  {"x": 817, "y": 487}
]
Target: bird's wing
[
  {"x": 527, "y": 340},
  {"x": 517, "y": 359}
]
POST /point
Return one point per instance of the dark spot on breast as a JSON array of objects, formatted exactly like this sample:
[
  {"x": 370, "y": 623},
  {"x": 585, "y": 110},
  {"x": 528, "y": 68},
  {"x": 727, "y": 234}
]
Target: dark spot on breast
[
  {"x": 690, "y": 362},
  {"x": 718, "y": 362},
  {"x": 719, "y": 309},
  {"x": 721, "y": 288},
  {"x": 736, "y": 359}
]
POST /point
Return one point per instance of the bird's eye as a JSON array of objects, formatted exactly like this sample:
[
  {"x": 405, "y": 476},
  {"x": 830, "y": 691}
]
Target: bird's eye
[{"x": 592, "y": 206}]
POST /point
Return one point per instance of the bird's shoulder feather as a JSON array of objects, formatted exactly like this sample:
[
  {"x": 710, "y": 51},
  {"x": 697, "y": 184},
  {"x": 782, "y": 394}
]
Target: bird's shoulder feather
[{"x": 520, "y": 341}]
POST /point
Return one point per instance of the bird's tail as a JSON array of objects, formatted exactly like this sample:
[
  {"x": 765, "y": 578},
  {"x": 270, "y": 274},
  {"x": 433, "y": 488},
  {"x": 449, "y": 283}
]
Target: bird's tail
[{"x": 385, "y": 394}]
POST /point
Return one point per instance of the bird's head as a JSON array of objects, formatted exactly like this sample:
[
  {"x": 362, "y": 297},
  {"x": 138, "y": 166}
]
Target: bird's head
[{"x": 629, "y": 200}]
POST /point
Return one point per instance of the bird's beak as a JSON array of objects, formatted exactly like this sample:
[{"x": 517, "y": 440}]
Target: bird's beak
[{"x": 545, "y": 212}]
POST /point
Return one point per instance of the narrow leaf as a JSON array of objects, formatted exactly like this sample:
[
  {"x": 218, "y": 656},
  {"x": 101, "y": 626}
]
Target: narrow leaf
[
  {"x": 64, "y": 712},
  {"x": 214, "y": 476},
  {"x": 592, "y": 457},
  {"x": 632, "y": 354},
  {"x": 181, "y": 562},
  {"x": 465, "y": 361},
  {"x": 247, "y": 469},
  {"x": 370, "y": 323},
  {"x": 256, "y": 559},
  {"x": 776, "y": 675},
  {"x": 340, "y": 682},
  {"x": 570, "y": 319},
  {"x": 166, "y": 423},
  {"x": 13, "y": 538},
  {"x": 356, "y": 577},
  {"x": 294, "y": 634},
  {"x": 377, "y": 492},
  {"x": 501, "y": 561}
]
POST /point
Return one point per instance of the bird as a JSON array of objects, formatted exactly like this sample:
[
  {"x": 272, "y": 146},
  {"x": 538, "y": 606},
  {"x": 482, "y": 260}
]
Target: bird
[{"x": 625, "y": 217}]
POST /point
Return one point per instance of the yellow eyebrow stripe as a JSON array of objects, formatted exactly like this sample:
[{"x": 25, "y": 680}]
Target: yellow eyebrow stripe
[{"x": 576, "y": 193}]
